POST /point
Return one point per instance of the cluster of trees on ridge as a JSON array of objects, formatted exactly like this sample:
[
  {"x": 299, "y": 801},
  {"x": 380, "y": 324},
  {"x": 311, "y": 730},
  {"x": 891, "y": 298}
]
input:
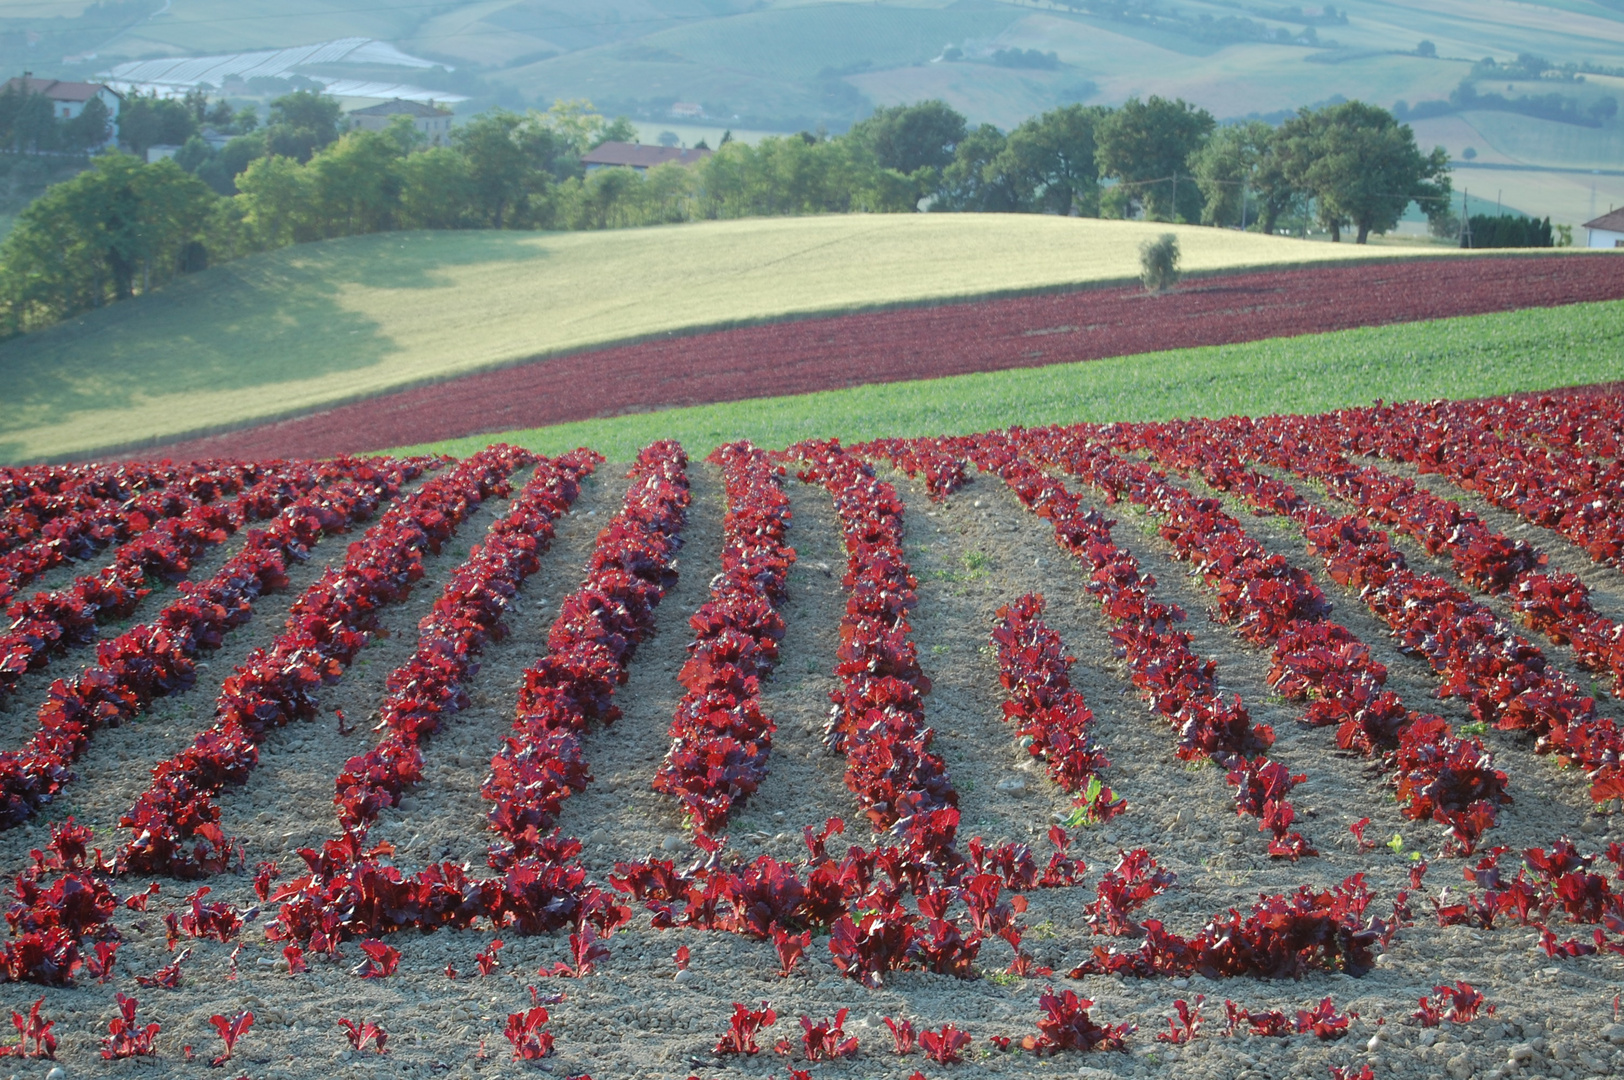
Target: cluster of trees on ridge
[{"x": 123, "y": 227}]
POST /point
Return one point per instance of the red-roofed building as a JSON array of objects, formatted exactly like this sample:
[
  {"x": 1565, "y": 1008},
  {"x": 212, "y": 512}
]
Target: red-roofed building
[
  {"x": 613, "y": 155},
  {"x": 68, "y": 99}
]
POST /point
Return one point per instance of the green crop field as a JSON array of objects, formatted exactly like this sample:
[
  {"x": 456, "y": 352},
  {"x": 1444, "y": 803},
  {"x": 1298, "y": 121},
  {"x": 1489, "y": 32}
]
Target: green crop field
[
  {"x": 293, "y": 330},
  {"x": 1468, "y": 357}
]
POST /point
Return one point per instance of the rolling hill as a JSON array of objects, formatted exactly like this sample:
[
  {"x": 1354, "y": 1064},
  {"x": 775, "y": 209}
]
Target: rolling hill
[
  {"x": 782, "y": 65},
  {"x": 298, "y": 329}
]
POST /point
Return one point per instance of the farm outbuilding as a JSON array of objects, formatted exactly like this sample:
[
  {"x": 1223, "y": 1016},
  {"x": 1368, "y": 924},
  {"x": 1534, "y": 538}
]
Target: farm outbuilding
[
  {"x": 636, "y": 156},
  {"x": 1606, "y": 231}
]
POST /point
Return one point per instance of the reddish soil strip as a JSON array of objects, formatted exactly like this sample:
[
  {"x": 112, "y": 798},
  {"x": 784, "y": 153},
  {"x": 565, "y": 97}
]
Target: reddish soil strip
[{"x": 805, "y": 355}]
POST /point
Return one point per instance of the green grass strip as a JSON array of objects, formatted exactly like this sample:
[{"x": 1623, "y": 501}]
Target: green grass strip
[{"x": 1475, "y": 356}]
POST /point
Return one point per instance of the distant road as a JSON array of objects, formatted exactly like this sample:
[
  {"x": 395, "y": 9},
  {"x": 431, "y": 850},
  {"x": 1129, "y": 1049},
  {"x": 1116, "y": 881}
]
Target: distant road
[{"x": 1535, "y": 168}]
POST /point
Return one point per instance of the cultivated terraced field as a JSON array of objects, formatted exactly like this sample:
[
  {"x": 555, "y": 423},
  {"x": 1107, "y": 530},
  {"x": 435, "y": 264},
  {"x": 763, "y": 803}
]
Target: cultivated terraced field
[
  {"x": 1340, "y": 731},
  {"x": 926, "y": 343},
  {"x": 290, "y": 332}
]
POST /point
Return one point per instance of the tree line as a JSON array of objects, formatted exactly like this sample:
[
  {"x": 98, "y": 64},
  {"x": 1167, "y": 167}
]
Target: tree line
[{"x": 123, "y": 226}]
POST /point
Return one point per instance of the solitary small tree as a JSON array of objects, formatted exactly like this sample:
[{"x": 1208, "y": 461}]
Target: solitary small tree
[{"x": 1159, "y": 263}]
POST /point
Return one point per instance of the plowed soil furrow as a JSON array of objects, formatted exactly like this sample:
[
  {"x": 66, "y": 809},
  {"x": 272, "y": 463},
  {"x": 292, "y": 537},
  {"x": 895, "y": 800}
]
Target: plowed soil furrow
[
  {"x": 18, "y": 709},
  {"x": 1606, "y": 583},
  {"x": 116, "y": 768},
  {"x": 1179, "y": 812},
  {"x": 805, "y": 782},
  {"x": 445, "y": 813},
  {"x": 1550, "y": 800},
  {"x": 299, "y": 763},
  {"x": 619, "y": 815}
]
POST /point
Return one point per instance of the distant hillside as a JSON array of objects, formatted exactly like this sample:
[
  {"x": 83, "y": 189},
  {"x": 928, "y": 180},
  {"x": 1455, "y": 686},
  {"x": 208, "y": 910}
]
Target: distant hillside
[
  {"x": 785, "y": 65},
  {"x": 297, "y": 329}
]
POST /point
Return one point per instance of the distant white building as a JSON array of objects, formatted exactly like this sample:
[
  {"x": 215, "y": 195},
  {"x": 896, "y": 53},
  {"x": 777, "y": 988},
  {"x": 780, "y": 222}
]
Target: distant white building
[
  {"x": 1607, "y": 231},
  {"x": 430, "y": 120}
]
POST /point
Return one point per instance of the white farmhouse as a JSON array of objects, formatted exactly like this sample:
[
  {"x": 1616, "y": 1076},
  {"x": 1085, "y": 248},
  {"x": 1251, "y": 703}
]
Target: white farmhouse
[
  {"x": 68, "y": 99},
  {"x": 1607, "y": 231},
  {"x": 430, "y": 120}
]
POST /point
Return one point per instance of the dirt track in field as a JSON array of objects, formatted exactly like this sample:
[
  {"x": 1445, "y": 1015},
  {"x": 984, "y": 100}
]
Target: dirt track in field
[
  {"x": 973, "y": 553},
  {"x": 807, "y": 355}
]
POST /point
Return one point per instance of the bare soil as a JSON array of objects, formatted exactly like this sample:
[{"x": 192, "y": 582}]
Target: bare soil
[{"x": 972, "y": 553}]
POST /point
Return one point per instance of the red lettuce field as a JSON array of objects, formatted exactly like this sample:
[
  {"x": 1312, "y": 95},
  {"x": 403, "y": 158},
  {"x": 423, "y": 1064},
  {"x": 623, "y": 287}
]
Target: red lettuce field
[
  {"x": 1285, "y": 745},
  {"x": 919, "y": 343}
]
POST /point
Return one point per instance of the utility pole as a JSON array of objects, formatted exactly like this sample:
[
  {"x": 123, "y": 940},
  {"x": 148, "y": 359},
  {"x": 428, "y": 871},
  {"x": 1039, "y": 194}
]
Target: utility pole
[{"x": 1174, "y": 215}]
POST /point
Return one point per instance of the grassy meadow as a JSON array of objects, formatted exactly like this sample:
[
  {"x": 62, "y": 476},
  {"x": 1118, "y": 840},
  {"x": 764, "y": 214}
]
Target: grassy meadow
[
  {"x": 1474, "y": 356},
  {"x": 317, "y": 324}
]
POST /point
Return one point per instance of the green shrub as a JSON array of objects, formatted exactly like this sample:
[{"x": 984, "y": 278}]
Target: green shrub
[{"x": 1159, "y": 263}]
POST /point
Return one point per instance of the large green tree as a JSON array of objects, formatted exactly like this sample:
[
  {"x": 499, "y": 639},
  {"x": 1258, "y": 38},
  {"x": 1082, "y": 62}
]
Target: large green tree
[
  {"x": 90, "y": 129},
  {"x": 147, "y": 120},
  {"x": 219, "y": 168},
  {"x": 356, "y": 182},
  {"x": 1049, "y": 162},
  {"x": 1146, "y": 146},
  {"x": 1227, "y": 171},
  {"x": 302, "y": 123},
  {"x": 1277, "y": 174},
  {"x": 437, "y": 191},
  {"x": 119, "y": 227},
  {"x": 1365, "y": 168},
  {"x": 974, "y": 183},
  {"x": 276, "y": 201},
  {"x": 509, "y": 164},
  {"x": 908, "y": 138},
  {"x": 798, "y": 174}
]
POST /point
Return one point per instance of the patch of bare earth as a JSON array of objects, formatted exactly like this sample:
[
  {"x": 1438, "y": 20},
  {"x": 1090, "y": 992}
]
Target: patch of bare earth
[{"x": 972, "y": 553}]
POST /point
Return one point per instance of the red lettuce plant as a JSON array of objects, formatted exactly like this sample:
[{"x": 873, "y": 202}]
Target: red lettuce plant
[
  {"x": 230, "y": 1031},
  {"x": 903, "y": 1035},
  {"x": 1186, "y": 1025},
  {"x": 523, "y": 1030},
  {"x": 125, "y": 1038},
  {"x": 945, "y": 1046},
  {"x": 827, "y": 1039},
  {"x": 381, "y": 960},
  {"x": 1064, "y": 1025},
  {"x": 742, "y": 1028},
  {"x": 359, "y": 1034},
  {"x": 34, "y": 1038}
]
